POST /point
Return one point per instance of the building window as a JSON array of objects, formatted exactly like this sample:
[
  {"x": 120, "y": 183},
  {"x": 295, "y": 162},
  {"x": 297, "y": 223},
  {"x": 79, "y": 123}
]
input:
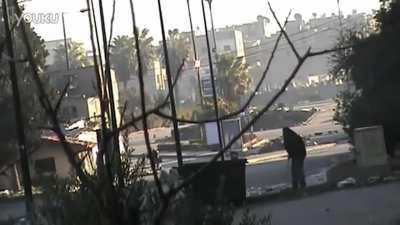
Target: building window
[{"x": 46, "y": 165}]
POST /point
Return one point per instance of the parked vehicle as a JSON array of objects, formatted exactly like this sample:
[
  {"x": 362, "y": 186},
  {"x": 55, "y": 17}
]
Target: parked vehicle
[{"x": 330, "y": 136}]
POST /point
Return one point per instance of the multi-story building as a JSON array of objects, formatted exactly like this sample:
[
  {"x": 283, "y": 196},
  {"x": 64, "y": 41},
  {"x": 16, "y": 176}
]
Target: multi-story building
[
  {"x": 51, "y": 47},
  {"x": 254, "y": 31},
  {"x": 319, "y": 33},
  {"x": 81, "y": 100},
  {"x": 226, "y": 42}
]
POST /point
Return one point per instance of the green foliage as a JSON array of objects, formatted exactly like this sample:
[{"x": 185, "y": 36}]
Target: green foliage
[
  {"x": 178, "y": 50},
  {"x": 123, "y": 54},
  {"x": 233, "y": 80},
  {"x": 372, "y": 68},
  {"x": 63, "y": 202},
  {"x": 251, "y": 219},
  {"x": 69, "y": 202},
  {"x": 76, "y": 54},
  {"x": 32, "y": 113}
]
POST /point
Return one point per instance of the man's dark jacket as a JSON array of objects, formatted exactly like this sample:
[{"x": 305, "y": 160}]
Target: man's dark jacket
[{"x": 294, "y": 144}]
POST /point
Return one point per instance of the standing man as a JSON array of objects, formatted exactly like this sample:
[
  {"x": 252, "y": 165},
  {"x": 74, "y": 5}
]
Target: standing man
[{"x": 296, "y": 150}]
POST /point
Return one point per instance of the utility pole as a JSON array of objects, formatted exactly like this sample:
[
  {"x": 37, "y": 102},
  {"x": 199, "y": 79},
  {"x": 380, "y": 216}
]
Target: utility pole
[
  {"x": 196, "y": 57},
  {"x": 65, "y": 41},
  {"x": 210, "y": 62},
  {"x": 170, "y": 90},
  {"x": 212, "y": 26},
  {"x": 18, "y": 117},
  {"x": 340, "y": 19}
]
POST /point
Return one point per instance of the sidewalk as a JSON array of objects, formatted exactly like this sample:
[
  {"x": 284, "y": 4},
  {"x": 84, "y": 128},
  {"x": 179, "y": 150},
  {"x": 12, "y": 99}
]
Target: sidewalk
[{"x": 374, "y": 205}]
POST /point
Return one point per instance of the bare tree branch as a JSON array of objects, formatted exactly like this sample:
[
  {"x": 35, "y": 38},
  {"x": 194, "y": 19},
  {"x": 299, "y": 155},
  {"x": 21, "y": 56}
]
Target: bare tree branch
[
  {"x": 111, "y": 26},
  {"x": 123, "y": 113},
  {"x": 156, "y": 109},
  {"x": 249, "y": 100},
  {"x": 327, "y": 51},
  {"x": 284, "y": 33},
  {"x": 143, "y": 106},
  {"x": 62, "y": 95}
]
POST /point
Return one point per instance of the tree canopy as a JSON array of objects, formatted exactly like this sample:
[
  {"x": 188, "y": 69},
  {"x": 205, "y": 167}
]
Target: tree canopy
[
  {"x": 32, "y": 112},
  {"x": 76, "y": 54},
  {"x": 372, "y": 68},
  {"x": 233, "y": 79},
  {"x": 123, "y": 54}
]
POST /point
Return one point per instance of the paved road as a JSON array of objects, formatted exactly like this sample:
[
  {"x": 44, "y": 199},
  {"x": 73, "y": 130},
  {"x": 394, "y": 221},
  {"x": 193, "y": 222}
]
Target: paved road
[
  {"x": 136, "y": 139},
  {"x": 364, "y": 206},
  {"x": 276, "y": 172},
  {"x": 320, "y": 121}
]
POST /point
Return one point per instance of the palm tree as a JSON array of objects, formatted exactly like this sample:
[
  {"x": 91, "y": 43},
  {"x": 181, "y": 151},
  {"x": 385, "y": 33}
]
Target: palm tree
[
  {"x": 123, "y": 54},
  {"x": 233, "y": 78},
  {"x": 178, "y": 49},
  {"x": 124, "y": 61},
  {"x": 122, "y": 57},
  {"x": 76, "y": 54}
]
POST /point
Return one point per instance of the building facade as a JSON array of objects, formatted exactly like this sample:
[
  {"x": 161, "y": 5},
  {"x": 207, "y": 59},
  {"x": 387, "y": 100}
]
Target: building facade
[{"x": 79, "y": 102}]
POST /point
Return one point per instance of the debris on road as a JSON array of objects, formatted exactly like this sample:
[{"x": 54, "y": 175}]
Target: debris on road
[
  {"x": 317, "y": 179},
  {"x": 350, "y": 181}
]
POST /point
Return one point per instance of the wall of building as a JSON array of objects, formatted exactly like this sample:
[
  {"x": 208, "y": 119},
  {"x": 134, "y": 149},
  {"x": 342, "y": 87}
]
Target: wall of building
[
  {"x": 82, "y": 86},
  {"x": 50, "y": 46},
  {"x": 320, "y": 33},
  {"x": 51, "y": 150}
]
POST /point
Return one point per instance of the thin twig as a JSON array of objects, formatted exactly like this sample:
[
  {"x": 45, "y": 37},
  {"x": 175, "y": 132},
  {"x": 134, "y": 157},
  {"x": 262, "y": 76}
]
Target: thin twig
[
  {"x": 63, "y": 93},
  {"x": 143, "y": 106},
  {"x": 111, "y": 26},
  {"x": 249, "y": 100},
  {"x": 284, "y": 33},
  {"x": 156, "y": 109}
]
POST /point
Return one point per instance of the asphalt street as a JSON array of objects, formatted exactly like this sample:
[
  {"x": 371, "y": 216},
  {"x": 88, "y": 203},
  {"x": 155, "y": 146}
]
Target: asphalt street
[
  {"x": 321, "y": 121},
  {"x": 269, "y": 172},
  {"x": 361, "y": 206},
  {"x": 274, "y": 172}
]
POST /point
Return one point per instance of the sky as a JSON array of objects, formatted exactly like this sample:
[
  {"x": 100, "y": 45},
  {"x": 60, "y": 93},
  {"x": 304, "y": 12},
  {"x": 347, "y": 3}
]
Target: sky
[{"x": 225, "y": 12}]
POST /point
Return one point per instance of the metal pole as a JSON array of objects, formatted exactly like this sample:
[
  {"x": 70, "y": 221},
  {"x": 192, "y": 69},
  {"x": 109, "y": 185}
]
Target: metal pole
[
  {"x": 65, "y": 41},
  {"x": 97, "y": 37},
  {"x": 196, "y": 57},
  {"x": 215, "y": 54},
  {"x": 170, "y": 89},
  {"x": 111, "y": 97},
  {"x": 212, "y": 26},
  {"x": 18, "y": 118},
  {"x": 340, "y": 19},
  {"x": 210, "y": 62}
]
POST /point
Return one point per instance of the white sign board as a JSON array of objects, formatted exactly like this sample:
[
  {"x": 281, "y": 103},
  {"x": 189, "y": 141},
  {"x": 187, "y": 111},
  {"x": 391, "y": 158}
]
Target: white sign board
[
  {"x": 206, "y": 84},
  {"x": 231, "y": 128},
  {"x": 211, "y": 131},
  {"x": 370, "y": 146}
]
